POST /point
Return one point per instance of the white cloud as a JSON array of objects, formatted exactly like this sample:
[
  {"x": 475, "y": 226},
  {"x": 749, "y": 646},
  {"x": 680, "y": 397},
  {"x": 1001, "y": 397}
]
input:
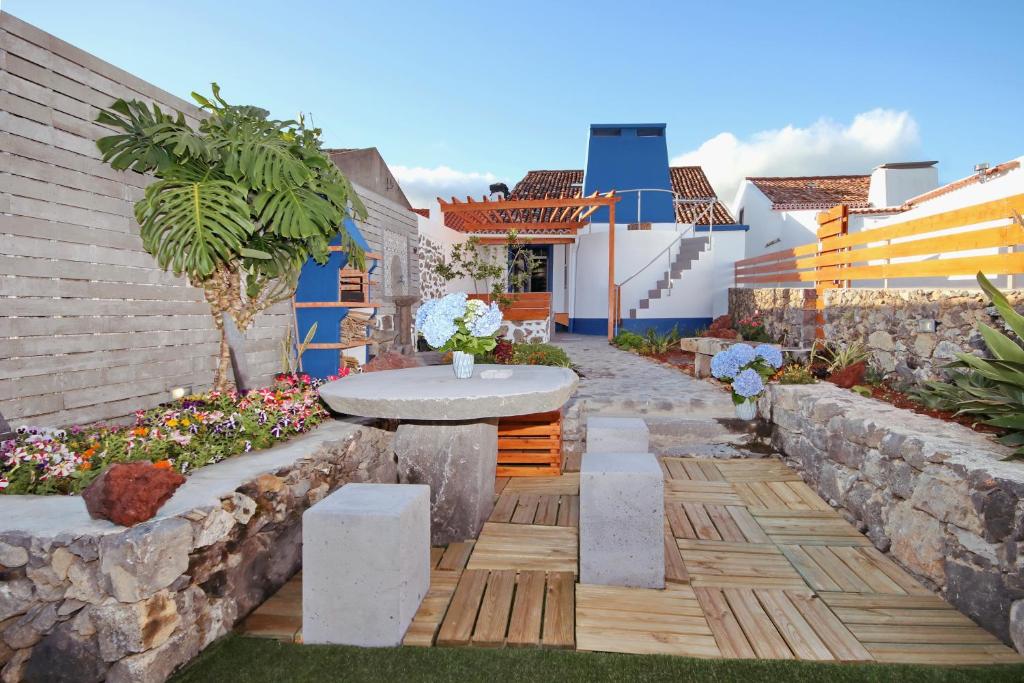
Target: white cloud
[
  {"x": 825, "y": 147},
  {"x": 424, "y": 185}
]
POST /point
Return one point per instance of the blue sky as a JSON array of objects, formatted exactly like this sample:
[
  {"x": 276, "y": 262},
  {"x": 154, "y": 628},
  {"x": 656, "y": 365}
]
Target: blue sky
[{"x": 458, "y": 93}]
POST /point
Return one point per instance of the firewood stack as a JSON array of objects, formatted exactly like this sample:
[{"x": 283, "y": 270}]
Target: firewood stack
[{"x": 353, "y": 327}]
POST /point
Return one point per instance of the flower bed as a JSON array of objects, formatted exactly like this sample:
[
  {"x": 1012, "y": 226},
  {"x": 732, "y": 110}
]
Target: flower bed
[{"x": 190, "y": 433}]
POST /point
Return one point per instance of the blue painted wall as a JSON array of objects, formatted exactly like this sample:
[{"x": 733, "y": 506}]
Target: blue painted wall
[
  {"x": 599, "y": 326},
  {"x": 629, "y": 156},
  {"x": 321, "y": 283}
]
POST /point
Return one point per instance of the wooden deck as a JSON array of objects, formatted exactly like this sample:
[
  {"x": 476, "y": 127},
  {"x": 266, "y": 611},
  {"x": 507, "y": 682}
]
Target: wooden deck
[{"x": 758, "y": 566}]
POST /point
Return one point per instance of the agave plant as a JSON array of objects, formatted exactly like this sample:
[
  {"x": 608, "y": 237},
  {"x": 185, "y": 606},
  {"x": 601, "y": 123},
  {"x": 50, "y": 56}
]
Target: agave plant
[
  {"x": 992, "y": 389},
  {"x": 239, "y": 205}
]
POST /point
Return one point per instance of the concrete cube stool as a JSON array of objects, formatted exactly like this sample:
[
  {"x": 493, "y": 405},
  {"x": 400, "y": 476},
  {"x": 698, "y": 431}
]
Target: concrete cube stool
[
  {"x": 617, "y": 435},
  {"x": 365, "y": 564},
  {"x": 622, "y": 520}
]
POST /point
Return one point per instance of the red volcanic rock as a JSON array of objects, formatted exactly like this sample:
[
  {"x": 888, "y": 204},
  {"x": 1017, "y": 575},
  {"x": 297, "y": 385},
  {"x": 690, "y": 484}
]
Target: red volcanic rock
[
  {"x": 129, "y": 493},
  {"x": 391, "y": 361},
  {"x": 849, "y": 377}
]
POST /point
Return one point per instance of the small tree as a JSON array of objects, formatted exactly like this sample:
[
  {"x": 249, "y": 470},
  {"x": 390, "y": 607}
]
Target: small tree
[
  {"x": 239, "y": 205},
  {"x": 509, "y": 270}
]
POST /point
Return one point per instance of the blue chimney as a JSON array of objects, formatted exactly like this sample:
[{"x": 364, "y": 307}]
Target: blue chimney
[{"x": 630, "y": 156}]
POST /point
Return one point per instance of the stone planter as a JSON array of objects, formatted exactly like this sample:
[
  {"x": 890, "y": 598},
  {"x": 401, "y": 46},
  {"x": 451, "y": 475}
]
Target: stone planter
[
  {"x": 87, "y": 600},
  {"x": 935, "y": 495}
]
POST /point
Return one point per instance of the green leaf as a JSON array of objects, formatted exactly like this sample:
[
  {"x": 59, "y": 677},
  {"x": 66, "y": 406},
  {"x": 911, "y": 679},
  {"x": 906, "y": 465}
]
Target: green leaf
[
  {"x": 296, "y": 212},
  {"x": 1000, "y": 345},
  {"x": 191, "y": 227},
  {"x": 254, "y": 253},
  {"x": 998, "y": 299}
]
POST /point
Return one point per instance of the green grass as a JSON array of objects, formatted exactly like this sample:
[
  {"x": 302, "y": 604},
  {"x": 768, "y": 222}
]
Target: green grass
[{"x": 252, "y": 660}]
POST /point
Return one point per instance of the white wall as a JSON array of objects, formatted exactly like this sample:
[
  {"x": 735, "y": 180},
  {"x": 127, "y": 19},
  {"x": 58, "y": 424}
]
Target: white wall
[
  {"x": 894, "y": 186},
  {"x": 701, "y": 292}
]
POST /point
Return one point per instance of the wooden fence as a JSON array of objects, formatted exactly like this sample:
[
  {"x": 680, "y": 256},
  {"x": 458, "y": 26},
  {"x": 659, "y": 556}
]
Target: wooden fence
[{"x": 840, "y": 258}]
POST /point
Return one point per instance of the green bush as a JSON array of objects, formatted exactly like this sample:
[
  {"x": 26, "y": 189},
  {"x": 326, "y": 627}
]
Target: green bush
[
  {"x": 540, "y": 354},
  {"x": 796, "y": 374},
  {"x": 661, "y": 343},
  {"x": 629, "y": 341}
]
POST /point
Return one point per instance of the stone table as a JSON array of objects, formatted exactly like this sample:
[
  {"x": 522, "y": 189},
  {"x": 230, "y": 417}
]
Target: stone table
[{"x": 448, "y": 436}]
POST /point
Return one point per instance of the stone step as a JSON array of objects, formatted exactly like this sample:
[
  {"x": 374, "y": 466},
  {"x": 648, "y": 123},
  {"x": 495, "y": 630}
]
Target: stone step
[{"x": 616, "y": 434}]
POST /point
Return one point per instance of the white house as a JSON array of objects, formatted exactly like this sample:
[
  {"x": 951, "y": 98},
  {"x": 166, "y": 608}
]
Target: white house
[{"x": 674, "y": 247}]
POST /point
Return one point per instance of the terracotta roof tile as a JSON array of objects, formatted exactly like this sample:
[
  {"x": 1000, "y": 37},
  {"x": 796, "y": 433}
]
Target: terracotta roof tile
[
  {"x": 688, "y": 181},
  {"x": 815, "y": 192}
]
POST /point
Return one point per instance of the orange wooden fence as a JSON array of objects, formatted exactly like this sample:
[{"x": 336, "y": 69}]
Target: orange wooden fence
[
  {"x": 838, "y": 258},
  {"x": 524, "y": 306}
]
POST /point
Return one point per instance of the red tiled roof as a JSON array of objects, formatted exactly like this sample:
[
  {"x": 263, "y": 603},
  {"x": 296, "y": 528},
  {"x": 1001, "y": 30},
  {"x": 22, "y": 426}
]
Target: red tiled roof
[
  {"x": 815, "y": 192},
  {"x": 687, "y": 181},
  {"x": 423, "y": 212}
]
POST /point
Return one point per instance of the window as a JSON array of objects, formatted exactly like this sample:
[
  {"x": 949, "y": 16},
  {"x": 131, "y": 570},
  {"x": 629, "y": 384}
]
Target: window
[
  {"x": 650, "y": 132},
  {"x": 606, "y": 132}
]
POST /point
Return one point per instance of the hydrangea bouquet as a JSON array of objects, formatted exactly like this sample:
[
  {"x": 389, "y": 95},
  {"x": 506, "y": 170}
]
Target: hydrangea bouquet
[
  {"x": 466, "y": 327},
  {"x": 746, "y": 368}
]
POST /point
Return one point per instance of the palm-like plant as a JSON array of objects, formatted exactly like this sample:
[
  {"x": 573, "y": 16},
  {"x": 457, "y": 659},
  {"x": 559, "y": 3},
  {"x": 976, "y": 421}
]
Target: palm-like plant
[
  {"x": 990, "y": 389},
  {"x": 239, "y": 204}
]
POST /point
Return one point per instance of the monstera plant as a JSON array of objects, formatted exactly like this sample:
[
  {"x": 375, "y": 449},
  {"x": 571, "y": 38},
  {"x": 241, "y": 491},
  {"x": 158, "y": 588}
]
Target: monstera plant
[{"x": 239, "y": 203}]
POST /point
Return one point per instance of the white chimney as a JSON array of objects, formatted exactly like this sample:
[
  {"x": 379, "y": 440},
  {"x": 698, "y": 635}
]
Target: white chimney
[{"x": 893, "y": 184}]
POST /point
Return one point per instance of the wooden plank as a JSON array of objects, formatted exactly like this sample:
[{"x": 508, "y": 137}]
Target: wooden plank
[
  {"x": 525, "y": 547},
  {"x": 875, "y": 600},
  {"x": 919, "y": 633},
  {"x": 724, "y": 523},
  {"x": 547, "y": 510},
  {"x": 905, "y": 581},
  {"x": 504, "y": 508},
  {"x": 675, "y": 568},
  {"x": 455, "y": 556},
  {"x": 902, "y": 617},
  {"x": 846, "y": 578},
  {"x": 816, "y": 577},
  {"x": 943, "y": 653},
  {"x": 431, "y": 612},
  {"x": 746, "y": 523},
  {"x": 526, "y": 510},
  {"x": 693, "y": 470},
  {"x": 703, "y": 527},
  {"x": 560, "y": 611},
  {"x": 837, "y": 637},
  {"x": 757, "y": 626},
  {"x": 457, "y": 627},
  {"x": 678, "y": 521},
  {"x": 495, "y": 609},
  {"x": 568, "y": 482},
  {"x": 525, "y": 622},
  {"x": 726, "y": 629},
  {"x": 877, "y": 581},
  {"x": 798, "y": 634},
  {"x": 435, "y": 556}
]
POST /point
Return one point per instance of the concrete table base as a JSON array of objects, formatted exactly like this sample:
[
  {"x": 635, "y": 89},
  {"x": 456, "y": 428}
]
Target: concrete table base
[{"x": 457, "y": 460}]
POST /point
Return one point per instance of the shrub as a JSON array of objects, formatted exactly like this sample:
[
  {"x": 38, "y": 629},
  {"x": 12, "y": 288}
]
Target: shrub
[
  {"x": 753, "y": 329},
  {"x": 660, "y": 343},
  {"x": 503, "y": 352},
  {"x": 796, "y": 374},
  {"x": 185, "y": 435},
  {"x": 629, "y": 341},
  {"x": 540, "y": 354}
]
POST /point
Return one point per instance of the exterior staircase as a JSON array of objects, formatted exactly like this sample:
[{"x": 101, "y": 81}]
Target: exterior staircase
[{"x": 690, "y": 249}]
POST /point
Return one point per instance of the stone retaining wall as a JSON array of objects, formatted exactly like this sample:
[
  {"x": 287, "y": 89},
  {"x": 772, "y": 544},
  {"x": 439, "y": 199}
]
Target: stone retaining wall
[
  {"x": 85, "y": 600},
  {"x": 935, "y": 495},
  {"x": 911, "y": 333}
]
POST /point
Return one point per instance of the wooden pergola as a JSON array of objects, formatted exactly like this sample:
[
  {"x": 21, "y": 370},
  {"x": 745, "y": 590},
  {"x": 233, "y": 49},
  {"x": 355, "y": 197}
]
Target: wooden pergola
[{"x": 539, "y": 219}]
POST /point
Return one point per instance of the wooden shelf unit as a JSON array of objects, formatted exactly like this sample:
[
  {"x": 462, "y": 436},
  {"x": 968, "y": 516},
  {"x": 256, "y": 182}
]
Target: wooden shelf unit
[{"x": 530, "y": 445}]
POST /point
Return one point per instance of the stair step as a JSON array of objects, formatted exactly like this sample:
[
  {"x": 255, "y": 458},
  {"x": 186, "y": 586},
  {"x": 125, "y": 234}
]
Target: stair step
[{"x": 645, "y": 303}]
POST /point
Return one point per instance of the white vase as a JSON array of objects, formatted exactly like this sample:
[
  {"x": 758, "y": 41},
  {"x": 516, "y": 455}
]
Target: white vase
[
  {"x": 462, "y": 364},
  {"x": 746, "y": 410}
]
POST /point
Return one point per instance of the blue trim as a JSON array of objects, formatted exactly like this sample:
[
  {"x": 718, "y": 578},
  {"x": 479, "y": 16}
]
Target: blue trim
[
  {"x": 722, "y": 228},
  {"x": 599, "y": 326}
]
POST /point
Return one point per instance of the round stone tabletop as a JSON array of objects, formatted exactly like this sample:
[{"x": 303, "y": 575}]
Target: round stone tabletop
[{"x": 434, "y": 393}]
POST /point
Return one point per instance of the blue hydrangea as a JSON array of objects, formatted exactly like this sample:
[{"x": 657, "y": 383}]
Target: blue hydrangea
[
  {"x": 487, "y": 323},
  {"x": 724, "y": 365},
  {"x": 743, "y": 354},
  {"x": 424, "y": 311},
  {"x": 748, "y": 383},
  {"x": 435, "y": 319},
  {"x": 771, "y": 355},
  {"x": 437, "y": 331}
]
